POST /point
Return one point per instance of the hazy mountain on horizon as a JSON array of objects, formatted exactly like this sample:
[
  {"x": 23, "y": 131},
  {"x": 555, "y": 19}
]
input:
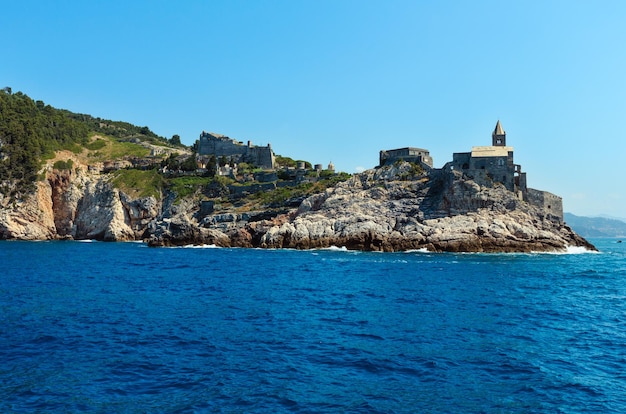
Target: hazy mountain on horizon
[
  {"x": 610, "y": 217},
  {"x": 596, "y": 226}
]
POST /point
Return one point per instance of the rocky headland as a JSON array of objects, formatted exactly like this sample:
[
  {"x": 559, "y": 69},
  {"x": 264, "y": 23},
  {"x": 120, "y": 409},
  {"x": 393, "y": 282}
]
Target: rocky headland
[{"x": 391, "y": 208}]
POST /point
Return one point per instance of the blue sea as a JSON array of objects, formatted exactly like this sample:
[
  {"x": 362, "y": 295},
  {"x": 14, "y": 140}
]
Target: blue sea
[{"x": 124, "y": 328}]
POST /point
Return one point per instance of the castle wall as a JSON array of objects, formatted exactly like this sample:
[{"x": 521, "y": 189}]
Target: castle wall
[
  {"x": 461, "y": 160},
  {"x": 261, "y": 156},
  {"x": 521, "y": 183},
  {"x": 550, "y": 203},
  {"x": 221, "y": 146},
  {"x": 266, "y": 177},
  {"x": 408, "y": 154}
]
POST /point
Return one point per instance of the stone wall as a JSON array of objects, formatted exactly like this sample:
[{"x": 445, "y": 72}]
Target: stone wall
[
  {"x": 266, "y": 176},
  {"x": 260, "y": 156},
  {"x": 222, "y": 146},
  {"x": 408, "y": 154},
  {"x": 219, "y": 145},
  {"x": 550, "y": 203},
  {"x": 486, "y": 170}
]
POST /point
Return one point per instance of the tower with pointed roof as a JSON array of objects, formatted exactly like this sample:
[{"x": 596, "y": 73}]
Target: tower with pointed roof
[
  {"x": 491, "y": 164},
  {"x": 498, "y": 138}
]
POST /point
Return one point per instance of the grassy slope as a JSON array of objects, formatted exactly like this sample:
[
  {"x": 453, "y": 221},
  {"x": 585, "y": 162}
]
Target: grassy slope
[
  {"x": 139, "y": 183},
  {"x": 102, "y": 148}
]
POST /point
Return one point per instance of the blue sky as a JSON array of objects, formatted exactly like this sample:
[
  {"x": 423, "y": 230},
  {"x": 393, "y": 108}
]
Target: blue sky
[{"x": 340, "y": 80}]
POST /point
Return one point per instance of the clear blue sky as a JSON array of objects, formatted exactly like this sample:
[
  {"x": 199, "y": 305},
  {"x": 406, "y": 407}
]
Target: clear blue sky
[{"x": 340, "y": 80}]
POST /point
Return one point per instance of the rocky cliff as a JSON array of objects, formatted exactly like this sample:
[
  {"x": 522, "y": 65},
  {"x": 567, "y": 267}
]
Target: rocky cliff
[
  {"x": 76, "y": 204},
  {"x": 388, "y": 209},
  {"x": 392, "y": 208}
]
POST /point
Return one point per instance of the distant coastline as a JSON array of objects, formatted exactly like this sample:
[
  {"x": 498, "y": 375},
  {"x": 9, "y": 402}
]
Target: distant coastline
[{"x": 596, "y": 226}]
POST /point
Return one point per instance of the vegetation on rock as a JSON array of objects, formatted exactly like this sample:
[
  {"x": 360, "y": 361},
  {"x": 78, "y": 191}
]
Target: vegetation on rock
[
  {"x": 29, "y": 132},
  {"x": 139, "y": 183},
  {"x": 64, "y": 165}
]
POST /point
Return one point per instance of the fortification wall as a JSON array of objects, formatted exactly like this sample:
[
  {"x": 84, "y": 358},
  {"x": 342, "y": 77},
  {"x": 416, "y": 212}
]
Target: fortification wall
[
  {"x": 221, "y": 146},
  {"x": 265, "y": 176},
  {"x": 408, "y": 154},
  {"x": 552, "y": 204},
  {"x": 461, "y": 160},
  {"x": 261, "y": 156}
]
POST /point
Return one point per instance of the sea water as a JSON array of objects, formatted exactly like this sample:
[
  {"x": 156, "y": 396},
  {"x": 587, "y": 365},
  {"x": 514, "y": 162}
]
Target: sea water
[{"x": 120, "y": 327}]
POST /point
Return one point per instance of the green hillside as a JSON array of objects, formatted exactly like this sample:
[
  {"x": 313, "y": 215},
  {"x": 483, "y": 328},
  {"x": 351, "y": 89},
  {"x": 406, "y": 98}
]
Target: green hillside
[{"x": 31, "y": 131}]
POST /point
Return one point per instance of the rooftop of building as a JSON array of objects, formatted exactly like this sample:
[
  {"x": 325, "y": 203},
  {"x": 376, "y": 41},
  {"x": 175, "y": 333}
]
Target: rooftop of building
[{"x": 491, "y": 151}]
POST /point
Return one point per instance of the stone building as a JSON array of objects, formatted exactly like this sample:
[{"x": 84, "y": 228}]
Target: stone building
[
  {"x": 488, "y": 165},
  {"x": 222, "y": 146},
  {"x": 408, "y": 154}
]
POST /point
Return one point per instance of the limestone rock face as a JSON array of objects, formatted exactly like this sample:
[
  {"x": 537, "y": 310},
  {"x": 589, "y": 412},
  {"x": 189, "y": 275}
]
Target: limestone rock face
[
  {"x": 101, "y": 216},
  {"x": 29, "y": 219},
  {"x": 395, "y": 209},
  {"x": 77, "y": 205},
  {"x": 140, "y": 212}
]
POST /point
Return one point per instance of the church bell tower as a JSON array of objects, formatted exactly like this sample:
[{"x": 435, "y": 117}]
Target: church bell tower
[{"x": 498, "y": 138}]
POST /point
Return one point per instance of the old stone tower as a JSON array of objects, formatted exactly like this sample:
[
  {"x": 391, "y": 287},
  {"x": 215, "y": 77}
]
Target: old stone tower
[{"x": 498, "y": 138}]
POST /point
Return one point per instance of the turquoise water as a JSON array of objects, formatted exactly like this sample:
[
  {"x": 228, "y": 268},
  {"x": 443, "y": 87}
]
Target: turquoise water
[{"x": 119, "y": 327}]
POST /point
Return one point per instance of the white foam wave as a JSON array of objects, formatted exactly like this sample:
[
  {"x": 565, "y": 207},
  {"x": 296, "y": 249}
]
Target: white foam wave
[
  {"x": 200, "y": 246},
  {"x": 570, "y": 250},
  {"x": 422, "y": 250},
  {"x": 336, "y": 249},
  {"x": 580, "y": 250}
]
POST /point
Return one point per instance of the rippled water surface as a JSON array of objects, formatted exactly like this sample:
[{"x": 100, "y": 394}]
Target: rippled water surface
[{"x": 119, "y": 327}]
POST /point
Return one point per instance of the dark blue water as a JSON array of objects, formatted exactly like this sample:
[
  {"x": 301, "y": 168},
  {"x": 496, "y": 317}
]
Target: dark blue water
[{"x": 114, "y": 327}]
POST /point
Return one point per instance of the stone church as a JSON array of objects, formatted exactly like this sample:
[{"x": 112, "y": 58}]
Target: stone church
[{"x": 487, "y": 165}]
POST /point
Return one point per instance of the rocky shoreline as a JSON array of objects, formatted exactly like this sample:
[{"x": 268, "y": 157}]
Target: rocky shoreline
[{"x": 387, "y": 209}]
